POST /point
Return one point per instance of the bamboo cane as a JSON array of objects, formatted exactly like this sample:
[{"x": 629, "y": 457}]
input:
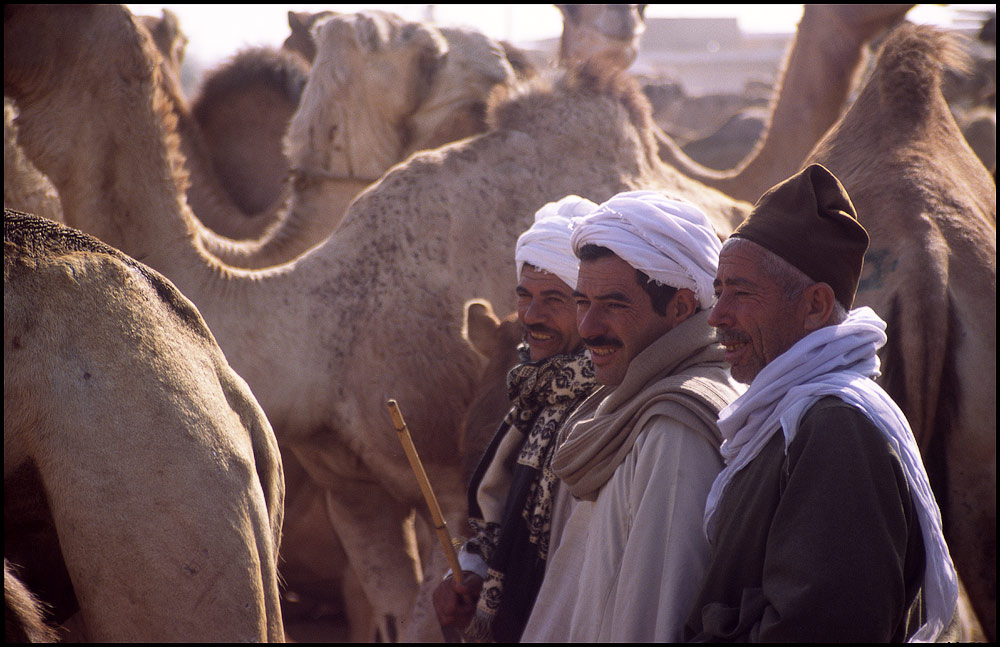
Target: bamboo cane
[{"x": 425, "y": 486}]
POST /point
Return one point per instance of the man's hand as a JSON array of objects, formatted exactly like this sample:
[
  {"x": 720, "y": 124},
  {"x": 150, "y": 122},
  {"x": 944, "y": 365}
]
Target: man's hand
[{"x": 455, "y": 602}]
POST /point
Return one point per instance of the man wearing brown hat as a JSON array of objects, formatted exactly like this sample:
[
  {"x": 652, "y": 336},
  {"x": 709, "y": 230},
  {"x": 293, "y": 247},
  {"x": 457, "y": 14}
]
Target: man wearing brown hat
[{"x": 822, "y": 524}]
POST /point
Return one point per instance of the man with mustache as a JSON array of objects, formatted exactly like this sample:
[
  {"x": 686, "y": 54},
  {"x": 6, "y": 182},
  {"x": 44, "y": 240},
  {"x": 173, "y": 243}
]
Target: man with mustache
[
  {"x": 510, "y": 493},
  {"x": 823, "y": 525},
  {"x": 637, "y": 458}
]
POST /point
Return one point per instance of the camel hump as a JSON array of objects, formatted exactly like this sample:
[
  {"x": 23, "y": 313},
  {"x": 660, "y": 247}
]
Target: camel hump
[
  {"x": 912, "y": 64},
  {"x": 279, "y": 70},
  {"x": 39, "y": 237},
  {"x": 30, "y": 237}
]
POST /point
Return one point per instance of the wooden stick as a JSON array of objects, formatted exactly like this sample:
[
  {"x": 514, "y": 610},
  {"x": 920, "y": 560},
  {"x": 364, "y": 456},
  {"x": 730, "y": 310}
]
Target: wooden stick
[{"x": 425, "y": 486}]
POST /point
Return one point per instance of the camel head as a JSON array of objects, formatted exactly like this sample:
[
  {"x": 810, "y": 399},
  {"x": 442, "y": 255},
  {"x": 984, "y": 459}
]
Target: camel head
[
  {"x": 455, "y": 103},
  {"x": 609, "y": 32},
  {"x": 372, "y": 69}
]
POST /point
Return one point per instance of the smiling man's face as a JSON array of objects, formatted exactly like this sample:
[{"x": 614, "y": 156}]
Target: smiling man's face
[
  {"x": 615, "y": 316},
  {"x": 546, "y": 309},
  {"x": 756, "y": 322}
]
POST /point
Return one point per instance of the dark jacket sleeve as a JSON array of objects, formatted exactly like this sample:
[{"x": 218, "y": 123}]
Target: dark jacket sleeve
[{"x": 836, "y": 554}]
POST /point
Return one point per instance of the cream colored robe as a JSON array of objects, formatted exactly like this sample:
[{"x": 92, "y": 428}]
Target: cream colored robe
[{"x": 627, "y": 565}]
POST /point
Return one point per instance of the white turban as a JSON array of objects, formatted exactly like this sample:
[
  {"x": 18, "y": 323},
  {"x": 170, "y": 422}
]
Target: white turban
[
  {"x": 546, "y": 244},
  {"x": 671, "y": 241}
]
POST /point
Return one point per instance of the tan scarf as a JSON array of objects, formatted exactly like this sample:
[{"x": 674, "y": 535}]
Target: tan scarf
[{"x": 681, "y": 375}]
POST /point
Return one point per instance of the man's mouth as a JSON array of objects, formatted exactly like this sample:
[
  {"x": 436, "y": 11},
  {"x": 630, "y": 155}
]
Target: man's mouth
[
  {"x": 602, "y": 347},
  {"x": 540, "y": 334},
  {"x": 733, "y": 343}
]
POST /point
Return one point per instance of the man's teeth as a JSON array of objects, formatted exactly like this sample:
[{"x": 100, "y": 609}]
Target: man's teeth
[
  {"x": 602, "y": 351},
  {"x": 540, "y": 336}
]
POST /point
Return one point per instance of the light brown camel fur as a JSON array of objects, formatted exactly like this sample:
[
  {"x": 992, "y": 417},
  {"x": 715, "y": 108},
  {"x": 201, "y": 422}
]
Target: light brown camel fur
[
  {"x": 929, "y": 206},
  {"x": 301, "y": 24},
  {"x": 817, "y": 78},
  {"x": 24, "y": 614},
  {"x": 142, "y": 482},
  {"x": 25, "y": 187},
  {"x": 431, "y": 234},
  {"x": 606, "y": 34},
  {"x": 496, "y": 340},
  {"x": 302, "y": 42},
  {"x": 170, "y": 40},
  {"x": 380, "y": 89}
]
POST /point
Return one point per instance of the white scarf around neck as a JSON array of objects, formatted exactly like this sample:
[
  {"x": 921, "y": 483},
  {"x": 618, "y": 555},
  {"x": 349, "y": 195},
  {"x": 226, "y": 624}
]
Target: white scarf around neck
[{"x": 840, "y": 361}]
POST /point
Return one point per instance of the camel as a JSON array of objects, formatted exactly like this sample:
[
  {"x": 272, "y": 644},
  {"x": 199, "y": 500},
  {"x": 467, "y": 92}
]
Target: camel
[
  {"x": 302, "y": 42},
  {"x": 245, "y": 106},
  {"x": 143, "y": 487},
  {"x": 24, "y": 186},
  {"x": 434, "y": 231},
  {"x": 929, "y": 206},
  {"x": 817, "y": 79},
  {"x": 381, "y": 88},
  {"x": 604, "y": 33}
]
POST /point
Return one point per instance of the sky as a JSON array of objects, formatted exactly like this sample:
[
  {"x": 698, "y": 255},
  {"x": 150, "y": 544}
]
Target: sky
[{"x": 216, "y": 32}]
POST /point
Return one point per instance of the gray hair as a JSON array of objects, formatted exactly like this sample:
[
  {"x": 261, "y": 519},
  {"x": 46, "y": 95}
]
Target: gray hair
[{"x": 791, "y": 280}]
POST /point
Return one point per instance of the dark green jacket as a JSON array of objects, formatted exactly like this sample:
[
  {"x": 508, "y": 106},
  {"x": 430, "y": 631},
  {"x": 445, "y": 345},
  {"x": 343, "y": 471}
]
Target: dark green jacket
[{"x": 819, "y": 545}]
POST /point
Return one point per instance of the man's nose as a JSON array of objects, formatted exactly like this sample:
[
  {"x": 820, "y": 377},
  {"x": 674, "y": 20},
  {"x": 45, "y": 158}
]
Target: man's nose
[
  {"x": 719, "y": 315},
  {"x": 534, "y": 313},
  {"x": 589, "y": 323}
]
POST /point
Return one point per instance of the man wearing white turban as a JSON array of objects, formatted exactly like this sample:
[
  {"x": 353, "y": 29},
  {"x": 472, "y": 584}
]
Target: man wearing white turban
[
  {"x": 636, "y": 460},
  {"x": 510, "y": 492}
]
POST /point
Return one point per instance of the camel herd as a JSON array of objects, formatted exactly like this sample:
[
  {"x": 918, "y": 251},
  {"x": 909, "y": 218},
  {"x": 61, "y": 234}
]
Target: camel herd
[{"x": 410, "y": 157}]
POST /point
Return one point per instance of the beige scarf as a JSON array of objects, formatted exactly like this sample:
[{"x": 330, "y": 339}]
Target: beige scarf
[{"x": 681, "y": 375}]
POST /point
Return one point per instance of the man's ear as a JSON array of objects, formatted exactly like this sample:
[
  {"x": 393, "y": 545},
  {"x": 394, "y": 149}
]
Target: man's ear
[
  {"x": 682, "y": 305},
  {"x": 818, "y": 300}
]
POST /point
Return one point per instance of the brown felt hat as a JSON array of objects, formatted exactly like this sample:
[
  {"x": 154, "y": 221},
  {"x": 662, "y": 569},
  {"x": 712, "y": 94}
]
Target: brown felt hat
[{"x": 809, "y": 221}]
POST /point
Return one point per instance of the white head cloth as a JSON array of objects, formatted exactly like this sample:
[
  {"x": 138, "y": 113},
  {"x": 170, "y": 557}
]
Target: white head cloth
[
  {"x": 546, "y": 244},
  {"x": 840, "y": 361},
  {"x": 670, "y": 241}
]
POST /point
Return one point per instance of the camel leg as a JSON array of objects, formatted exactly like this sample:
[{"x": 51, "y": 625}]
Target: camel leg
[
  {"x": 370, "y": 524},
  {"x": 970, "y": 447},
  {"x": 424, "y": 626}
]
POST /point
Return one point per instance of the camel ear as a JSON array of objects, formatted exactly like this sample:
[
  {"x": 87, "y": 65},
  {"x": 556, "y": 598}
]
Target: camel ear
[
  {"x": 432, "y": 56},
  {"x": 480, "y": 326},
  {"x": 298, "y": 20},
  {"x": 171, "y": 23}
]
